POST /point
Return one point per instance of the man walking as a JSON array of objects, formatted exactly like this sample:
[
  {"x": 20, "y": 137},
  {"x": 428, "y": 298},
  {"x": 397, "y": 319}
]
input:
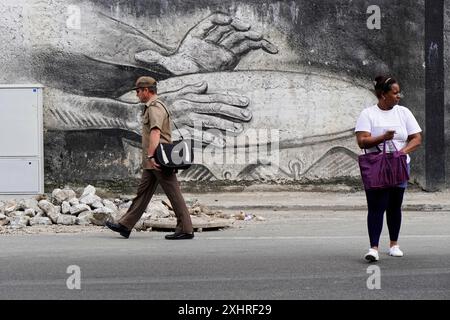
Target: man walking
[{"x": 155, "y": 129}]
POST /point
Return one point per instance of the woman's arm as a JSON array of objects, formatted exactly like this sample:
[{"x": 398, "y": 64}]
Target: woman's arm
[
  {"x": 414, "y": 141},
  {"x": 366, "y": 141}
]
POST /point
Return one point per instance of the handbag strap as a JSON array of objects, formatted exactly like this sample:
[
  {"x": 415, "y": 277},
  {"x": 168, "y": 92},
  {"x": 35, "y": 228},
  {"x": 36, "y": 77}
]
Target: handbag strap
[
  {"x": 170, "y": 117},
  {"x": 384, "y": 147},
  {"x": 365, "y": 150},
  {"x": 392, "y": 143}
]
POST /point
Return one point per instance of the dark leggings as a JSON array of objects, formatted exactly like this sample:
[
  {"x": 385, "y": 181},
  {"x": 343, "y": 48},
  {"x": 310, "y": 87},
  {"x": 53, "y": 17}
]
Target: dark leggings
[{"x": 379, "y": 201}]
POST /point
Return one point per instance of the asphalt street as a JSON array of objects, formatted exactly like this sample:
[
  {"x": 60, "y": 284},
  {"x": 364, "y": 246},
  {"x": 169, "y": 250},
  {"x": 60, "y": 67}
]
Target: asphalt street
[{"x": 293, "y": 255}]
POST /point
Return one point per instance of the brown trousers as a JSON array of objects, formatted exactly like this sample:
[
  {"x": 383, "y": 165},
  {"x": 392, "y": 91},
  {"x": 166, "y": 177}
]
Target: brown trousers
[{"x": 149, "y": 181}]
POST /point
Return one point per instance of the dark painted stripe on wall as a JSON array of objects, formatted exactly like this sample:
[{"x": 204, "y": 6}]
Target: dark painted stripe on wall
[{"x": 434, "y": 95}]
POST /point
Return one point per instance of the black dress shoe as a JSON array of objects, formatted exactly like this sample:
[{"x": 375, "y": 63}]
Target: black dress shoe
[
  {"x": 180, "y": 236},
  {"x": 117, "y": 227}
]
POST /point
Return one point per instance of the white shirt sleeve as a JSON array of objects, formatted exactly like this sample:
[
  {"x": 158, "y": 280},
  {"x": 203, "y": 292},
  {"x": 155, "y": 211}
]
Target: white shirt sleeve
[
  {"x": 412, "y": 126},
  {"x": 363, "y": 122}
]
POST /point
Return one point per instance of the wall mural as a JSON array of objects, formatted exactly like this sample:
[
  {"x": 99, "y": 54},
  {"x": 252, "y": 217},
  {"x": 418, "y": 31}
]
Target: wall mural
[{"x": 227, "y": 75}]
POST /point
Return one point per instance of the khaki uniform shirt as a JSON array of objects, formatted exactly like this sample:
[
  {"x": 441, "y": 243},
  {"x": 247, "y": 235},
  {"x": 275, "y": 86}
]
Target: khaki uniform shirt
[{"x": 154, "y": 116}]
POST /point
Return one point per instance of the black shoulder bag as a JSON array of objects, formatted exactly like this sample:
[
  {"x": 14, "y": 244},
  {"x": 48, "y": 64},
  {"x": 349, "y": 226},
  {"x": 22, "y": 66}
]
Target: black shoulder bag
[{"x": 176, "y": 155}]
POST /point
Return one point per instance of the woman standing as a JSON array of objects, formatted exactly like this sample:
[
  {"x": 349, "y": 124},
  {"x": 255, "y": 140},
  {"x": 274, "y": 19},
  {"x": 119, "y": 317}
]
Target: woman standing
[{"x": 386, "y": 121}]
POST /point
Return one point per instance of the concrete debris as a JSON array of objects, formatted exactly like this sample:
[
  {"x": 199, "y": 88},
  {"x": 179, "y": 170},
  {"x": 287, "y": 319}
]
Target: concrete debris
[
  {"x": 66, "y": 219},
  {"x": 84, "y": 218},
  {"x": 58, "y": 195},
  {"x": 111, "y": 205},
  {"x": 126, "y": 198},
  {"x": 49, "y": 209},
  {"x": 157, "y": 210},
  {"x": 100, "y": 216},
  {"x": 167, "y": 204},
  {"x": 125, "y": 205},
  {"x": 248, "y": 217},
  {"x": 74, "y": 201},
  {"x": 97, "y": 204},
  {"x": 19, "y": 222},
  {"x": 16, "y": 214},
  {"x": 63, "y": 207},
  {"x": 90, "y": 199},
  {"x": 39, "y": 212},
  {"x": 197, "y": 209},
  {"x": 30, "y": 212},
  {"x": 89, "y": 190},
  {"x": 77, "y": 209},
  {"x": 40, "y": 221},
  {"x": 41, "y": 197},
  {"x": 28, "y": 204},
  {"x": 4, "y": 220},
  {"x": 10, "y": 206},
  {"x": 240, "y": 216}
]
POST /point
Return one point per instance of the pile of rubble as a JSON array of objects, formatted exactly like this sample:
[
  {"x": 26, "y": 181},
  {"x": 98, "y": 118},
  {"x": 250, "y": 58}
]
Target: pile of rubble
[{"x": 63, "y": 207}]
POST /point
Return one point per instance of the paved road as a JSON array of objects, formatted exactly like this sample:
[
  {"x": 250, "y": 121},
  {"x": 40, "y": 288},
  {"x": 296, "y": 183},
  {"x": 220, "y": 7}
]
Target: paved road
[{"x": 291, "y": 255}]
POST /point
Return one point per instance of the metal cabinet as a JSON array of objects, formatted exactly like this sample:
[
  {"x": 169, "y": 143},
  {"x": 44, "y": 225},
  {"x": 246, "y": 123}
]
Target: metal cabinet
[{"x": 21, "y": 139}]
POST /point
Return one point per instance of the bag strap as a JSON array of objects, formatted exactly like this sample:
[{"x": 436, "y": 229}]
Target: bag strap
[
  {"x": 365, "y": 150},
  {"x": 392, "y": 143},
  {"x": 170, "y": 117},
  {"x": 384, "y": 146}
]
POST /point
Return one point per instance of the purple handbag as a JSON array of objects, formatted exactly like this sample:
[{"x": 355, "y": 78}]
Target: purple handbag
[{"x": 383, "y": 170}]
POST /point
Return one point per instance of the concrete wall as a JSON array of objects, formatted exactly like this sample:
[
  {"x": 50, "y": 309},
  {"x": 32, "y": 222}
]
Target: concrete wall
[{"x": 281, "y": 82}]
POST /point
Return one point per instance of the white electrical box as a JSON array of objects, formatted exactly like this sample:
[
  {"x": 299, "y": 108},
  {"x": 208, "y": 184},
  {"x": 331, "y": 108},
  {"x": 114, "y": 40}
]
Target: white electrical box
[{"x": 21, "y": 139}]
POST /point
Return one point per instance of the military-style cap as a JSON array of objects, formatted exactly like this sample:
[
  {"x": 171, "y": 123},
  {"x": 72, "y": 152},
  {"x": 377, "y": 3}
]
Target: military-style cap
[{"x": 145, "y": 82}]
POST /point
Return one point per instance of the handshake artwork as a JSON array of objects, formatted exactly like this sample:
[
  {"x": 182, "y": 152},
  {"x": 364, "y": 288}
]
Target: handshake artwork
[
  {"x": 215, "y": 44},
  {"x": 223, "y": 81}
]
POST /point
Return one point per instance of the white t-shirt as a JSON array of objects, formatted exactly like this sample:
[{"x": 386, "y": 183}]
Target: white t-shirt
[{"x": 377, "y": 122}]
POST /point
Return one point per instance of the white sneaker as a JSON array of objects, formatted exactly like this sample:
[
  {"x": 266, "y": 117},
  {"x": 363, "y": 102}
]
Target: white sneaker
[
  {"x": 395, "y": 251},
  {"x": 372, "y": 255}
]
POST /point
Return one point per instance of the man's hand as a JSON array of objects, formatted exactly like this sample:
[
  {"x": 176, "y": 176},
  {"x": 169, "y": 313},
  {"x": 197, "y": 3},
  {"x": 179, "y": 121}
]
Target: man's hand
[
  {"x": 153, "y": 164},
  {"x": 216, "y": 43}
]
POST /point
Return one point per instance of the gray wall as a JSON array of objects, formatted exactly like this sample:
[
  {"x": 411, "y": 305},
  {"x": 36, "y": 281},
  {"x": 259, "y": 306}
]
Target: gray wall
[{"x": 300, "y": 70}]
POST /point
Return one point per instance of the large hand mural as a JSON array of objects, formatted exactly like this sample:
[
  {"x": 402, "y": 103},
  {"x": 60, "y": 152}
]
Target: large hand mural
[{"x": 223, "y": 74}]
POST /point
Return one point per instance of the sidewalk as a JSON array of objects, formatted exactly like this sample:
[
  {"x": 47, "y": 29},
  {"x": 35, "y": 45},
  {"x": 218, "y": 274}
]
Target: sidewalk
[
  {"x": 414, "y": 200},
  {"x": 325, "y": 201}
]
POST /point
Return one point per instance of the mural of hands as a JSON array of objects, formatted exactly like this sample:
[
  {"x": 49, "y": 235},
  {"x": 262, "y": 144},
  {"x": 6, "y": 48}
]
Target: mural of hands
[
  {"x": 303, "y": 116},
  {"x": 193, "y": 109},
  {"x": 216, "y": 43},
  {"x": 213, "y": 68}
]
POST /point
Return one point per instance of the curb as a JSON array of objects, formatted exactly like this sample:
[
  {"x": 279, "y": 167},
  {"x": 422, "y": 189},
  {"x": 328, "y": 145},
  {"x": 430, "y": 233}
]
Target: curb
[{"x": 406, "y": 207}]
